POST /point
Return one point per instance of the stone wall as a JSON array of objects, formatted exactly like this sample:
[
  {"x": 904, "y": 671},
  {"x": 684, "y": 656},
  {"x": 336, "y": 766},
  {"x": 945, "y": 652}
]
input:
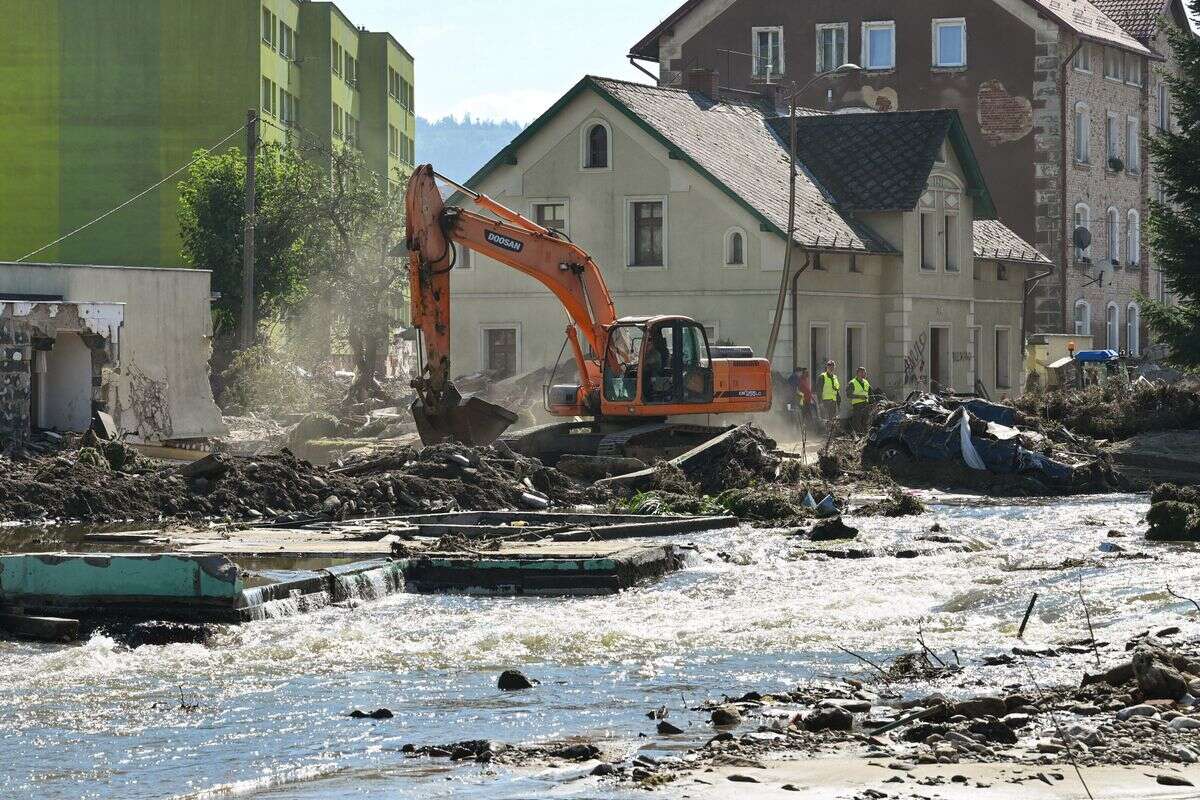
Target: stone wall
[{"x": 15, "y": 353}]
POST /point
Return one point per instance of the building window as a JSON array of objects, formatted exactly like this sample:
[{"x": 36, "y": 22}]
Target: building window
[
  {"x": 1163, "y": 106},
  {"x": 1114, "y": 237},
  {"x": 269, "y": 96},
  {"x": 1002, "y": 358},
  {"x": 338, "y": 130},
  {"x": 393, "y": 141},
  {"x": 1082, "y": 219},
  {"x": 394, "y": 84},
  {"x": 287, "y": 41},
  {"x": 596, "y": 146},
  {"x": 928, "y": 241},
  {"x": 268, "y": 27},
  {"x": 767, "y": 44},
  {"x": 1112, "y": 137},
  {"x": 949, "y": 42},
  {"x": 1133, "y": 321},
  {"x": 500, "y": 352},
  {"x": 1112, "y": 63},
  {"x": 1001, "y": 271},
  {"x": 735, "y": 248},
  {"x": 1083, "y": 133},
  {"x": 941, "y": 239},
  {"x": 854, "y": 265},
  {"x": 950, "y": 229},
  {"x": 335, "y": 57},
  {"x": 1083, "y": 318},
  {"x": 351, "y": 71},
  {"x": 1133, "y": 145},
  {"x": 1112, "y": 327},
  {"x": 1083, "y": 58},
  {"x": 1133, "y": 69},
  {"x": 462, "y": 257},
  {"x": 352, "y": 130},
  {"x": 879, "y": 45},
  {"x": 288, "y": 107},
  {"x": 1133, "y": 239},
  {"x": 831, "y": 46},
  {"x": 646, "y": 223},
  {"x": 551, "y": 215}
]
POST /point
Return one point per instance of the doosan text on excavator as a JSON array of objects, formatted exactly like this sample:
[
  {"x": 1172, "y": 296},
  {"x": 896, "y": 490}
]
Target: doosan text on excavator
[{"x": 636, "y": 378}]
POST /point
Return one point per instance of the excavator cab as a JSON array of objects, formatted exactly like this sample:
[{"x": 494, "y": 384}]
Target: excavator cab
[{"x": 661, "y": 362}]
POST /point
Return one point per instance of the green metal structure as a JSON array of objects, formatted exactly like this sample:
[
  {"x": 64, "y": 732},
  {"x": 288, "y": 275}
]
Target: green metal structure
[{"x": 100, "y": 99}]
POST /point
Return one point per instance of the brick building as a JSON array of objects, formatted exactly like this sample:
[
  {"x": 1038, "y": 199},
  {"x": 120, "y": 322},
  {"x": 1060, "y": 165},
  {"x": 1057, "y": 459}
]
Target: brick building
[{"x": 1058, "y": 98}]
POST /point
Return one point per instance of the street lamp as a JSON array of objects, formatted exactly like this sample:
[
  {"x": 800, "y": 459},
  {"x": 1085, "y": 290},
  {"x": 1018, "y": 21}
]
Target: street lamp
[{"x": 791, "y": 232}]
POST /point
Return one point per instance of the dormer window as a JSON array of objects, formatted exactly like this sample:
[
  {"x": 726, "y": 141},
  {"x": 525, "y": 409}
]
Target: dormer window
[{"x": 940, "y": 217}]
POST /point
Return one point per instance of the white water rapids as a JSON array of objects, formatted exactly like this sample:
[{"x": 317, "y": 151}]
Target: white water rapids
[{"x": 98, "y": 720}]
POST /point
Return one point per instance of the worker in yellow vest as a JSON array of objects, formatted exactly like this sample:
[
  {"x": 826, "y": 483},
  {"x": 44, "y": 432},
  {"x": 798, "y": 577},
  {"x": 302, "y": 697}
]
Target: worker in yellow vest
[
  {"x": 831, "y": 393},
  {"x": 860, "y": 400}
]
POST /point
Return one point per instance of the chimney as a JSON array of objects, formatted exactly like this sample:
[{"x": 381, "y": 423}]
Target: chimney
[
  {"x": 774, "y": 96},
  {"x": 703, "y": 80}
]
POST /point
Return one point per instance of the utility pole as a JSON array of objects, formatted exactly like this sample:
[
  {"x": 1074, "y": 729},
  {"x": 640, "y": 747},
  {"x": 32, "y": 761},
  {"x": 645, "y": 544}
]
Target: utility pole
[{"x": 247, "y": 322}]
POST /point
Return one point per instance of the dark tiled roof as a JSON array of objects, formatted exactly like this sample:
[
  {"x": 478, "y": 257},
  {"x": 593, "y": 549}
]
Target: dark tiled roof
[
  {"x": 1138, "y": 18},
  {"x": 734, "y": 144},
  {"x": 870, "y": 162},
  {"x": 995, "y": 241}
]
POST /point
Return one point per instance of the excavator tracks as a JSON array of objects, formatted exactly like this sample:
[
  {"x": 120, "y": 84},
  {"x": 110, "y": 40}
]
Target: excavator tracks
[{"x": 647, "y": 441}]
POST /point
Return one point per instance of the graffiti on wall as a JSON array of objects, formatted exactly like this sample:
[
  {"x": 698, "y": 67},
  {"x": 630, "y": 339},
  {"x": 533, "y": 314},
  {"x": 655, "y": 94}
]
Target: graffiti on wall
[{"x": 914, "y": 362}]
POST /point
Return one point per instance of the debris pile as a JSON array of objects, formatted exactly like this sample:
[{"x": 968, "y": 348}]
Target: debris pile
[
  {"x": 1116, "y": 411},
  {"x": 977, "y": 445}
]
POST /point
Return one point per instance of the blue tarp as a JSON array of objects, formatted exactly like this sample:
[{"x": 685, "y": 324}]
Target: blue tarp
[{"x": 1097, "y": 356}]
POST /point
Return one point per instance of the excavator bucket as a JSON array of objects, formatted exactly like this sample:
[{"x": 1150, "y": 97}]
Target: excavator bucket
[{"x": 475, "y": 422}]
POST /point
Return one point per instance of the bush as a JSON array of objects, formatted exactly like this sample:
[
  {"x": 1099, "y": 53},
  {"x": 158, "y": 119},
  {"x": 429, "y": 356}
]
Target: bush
[
  {"x": 1113, "y": 412},
  {"x": 261, "y": 377}
]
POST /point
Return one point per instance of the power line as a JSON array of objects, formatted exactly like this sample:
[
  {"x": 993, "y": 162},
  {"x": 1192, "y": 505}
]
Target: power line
[{"x": 133, "y": 199}]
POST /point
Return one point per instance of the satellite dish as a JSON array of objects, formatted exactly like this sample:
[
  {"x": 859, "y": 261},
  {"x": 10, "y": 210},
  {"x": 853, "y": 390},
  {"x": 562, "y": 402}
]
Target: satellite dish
[{"x": 1081, "y": 237}]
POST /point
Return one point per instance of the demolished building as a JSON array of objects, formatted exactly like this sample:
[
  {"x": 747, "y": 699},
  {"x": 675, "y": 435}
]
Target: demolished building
[{"x": 132, "y": 342}]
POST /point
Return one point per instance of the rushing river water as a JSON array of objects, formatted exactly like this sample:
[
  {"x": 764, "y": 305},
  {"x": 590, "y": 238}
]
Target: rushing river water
[{"x": 98, "y": 720}]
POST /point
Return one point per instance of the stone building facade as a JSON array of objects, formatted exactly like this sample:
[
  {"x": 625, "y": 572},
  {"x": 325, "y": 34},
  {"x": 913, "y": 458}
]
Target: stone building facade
[{"x": 1017, "y": 71}]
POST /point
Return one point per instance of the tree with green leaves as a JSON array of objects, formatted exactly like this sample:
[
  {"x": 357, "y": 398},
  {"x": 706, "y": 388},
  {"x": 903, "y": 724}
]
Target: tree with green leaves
[
  {"x": 1174, "y": 226},
  {"x": 211, "y": 214}
]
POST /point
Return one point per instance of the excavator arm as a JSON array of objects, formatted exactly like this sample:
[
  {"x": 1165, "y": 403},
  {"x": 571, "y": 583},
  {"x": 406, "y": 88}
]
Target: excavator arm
[{"x": 511, "y": 239}]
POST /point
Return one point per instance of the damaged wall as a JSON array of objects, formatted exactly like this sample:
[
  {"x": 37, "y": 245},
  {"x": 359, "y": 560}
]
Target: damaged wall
[{"x": 154, "y": 376}]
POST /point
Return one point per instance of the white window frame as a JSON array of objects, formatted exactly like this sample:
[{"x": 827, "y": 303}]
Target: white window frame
[
  {"x": 1084, "y": 56},
  {"x": 1083, "y": 133},
  {"x": 1133, "y": 334},
  {"x": 755, "y": 68},
  {"x": 813, "y": 369},
  {"x": 464, "y": 259},
  {"x": 1084, "y": 329},
  {"x": 584, "y": 133},
  {"x": 552, "y": 201},
  {"x": 629, "y": 243},
  {"x": 745, "y": 248},
  {"x": 1120, "y": 63},
  {"x": 1007, "y": 331},
  {"x": 1112, "y": 138},
  {"x": 1133, "y": 145},
  {"x": 1112, "y": 235},
  {"x": 335, "y": 47},
  {"x": 844, "y": 27},
  {"x": 937, "y": 25},
  {"x": 1112, "y": 328},
  {"x": 1133, "y": 239},
  {"x": 1131, "y": 58},
  {"x": 867, "y": 27},
  {"x": 1084, "y": 221},
  {"x": 484, "y": 327}
]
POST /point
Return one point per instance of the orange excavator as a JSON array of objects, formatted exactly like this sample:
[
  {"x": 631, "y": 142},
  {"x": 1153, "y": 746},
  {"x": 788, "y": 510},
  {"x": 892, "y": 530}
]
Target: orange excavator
[{"x": 636, "y": 375}]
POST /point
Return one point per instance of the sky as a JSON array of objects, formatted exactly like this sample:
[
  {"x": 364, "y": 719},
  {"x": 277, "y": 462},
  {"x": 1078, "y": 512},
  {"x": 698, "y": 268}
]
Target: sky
[{"x": 509, "y": 59}]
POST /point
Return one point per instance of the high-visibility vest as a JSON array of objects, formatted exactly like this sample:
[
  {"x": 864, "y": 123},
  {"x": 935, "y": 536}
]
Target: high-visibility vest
[
  {"x": 860, "y": 391},
  {"x": 830, "y": 386}
]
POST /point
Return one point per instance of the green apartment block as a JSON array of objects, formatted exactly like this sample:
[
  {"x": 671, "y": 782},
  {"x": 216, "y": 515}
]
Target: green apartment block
[{"x": 100, "y": 99}]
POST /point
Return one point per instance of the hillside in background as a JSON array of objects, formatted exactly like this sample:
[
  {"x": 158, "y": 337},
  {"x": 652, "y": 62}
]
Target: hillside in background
[{"x": 458, "y": 149}]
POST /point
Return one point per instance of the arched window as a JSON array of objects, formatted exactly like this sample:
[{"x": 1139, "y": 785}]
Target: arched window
[
  {"x": 1083, "y": 133},
  {"x": 596, "y": 146},
  {"x": 1112, "y": 327},
  {"x": 1083, "y": 219},
  {"x": 1114, "y": 236},
  {"x": 1133, "y": 239},
  {"x": 735, "y": 248},
  {"x": 1083, "y": 318},
  {"x": 1133, "y": 320}
]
